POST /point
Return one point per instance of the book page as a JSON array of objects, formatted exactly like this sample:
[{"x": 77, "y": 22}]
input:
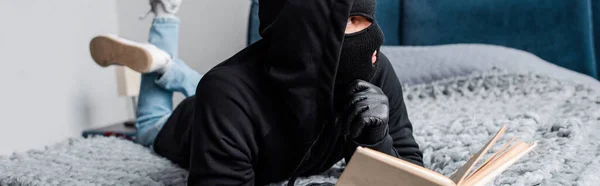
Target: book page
[
  {"x": 370, "y": 167},
  {"x": 494, "y": 169},
  {"x": 462, "y": 172},
  {"x": 494, "y": 157}
]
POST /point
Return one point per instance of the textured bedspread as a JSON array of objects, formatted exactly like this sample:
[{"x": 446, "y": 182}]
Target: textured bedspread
[{"x": 452, "y": 119}]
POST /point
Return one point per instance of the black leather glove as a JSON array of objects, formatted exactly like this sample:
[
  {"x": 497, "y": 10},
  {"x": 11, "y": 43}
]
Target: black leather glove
[{"x": 366, "y": 113}]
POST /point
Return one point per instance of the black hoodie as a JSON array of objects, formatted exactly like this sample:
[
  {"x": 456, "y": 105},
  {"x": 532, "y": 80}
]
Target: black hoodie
[{"x": 266, "y": 114}]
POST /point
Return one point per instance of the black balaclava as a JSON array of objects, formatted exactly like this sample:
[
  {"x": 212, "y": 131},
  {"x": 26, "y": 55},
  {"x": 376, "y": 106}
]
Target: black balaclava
[{"x": 357, "y": 50}]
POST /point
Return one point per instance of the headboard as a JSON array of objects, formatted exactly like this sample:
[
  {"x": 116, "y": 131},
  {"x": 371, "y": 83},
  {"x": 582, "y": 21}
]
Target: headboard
[{"x": 561, "y": 32}]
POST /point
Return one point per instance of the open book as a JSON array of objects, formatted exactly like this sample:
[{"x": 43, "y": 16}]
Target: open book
[{"x": 370, "y": 167}]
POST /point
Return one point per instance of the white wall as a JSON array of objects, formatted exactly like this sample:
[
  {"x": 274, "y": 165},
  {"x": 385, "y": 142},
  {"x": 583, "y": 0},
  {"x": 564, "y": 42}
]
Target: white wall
[{"x": 52, "y": 89}]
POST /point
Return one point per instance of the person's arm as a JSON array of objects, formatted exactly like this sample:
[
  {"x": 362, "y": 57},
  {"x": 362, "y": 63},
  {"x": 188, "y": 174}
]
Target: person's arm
[
  {"x": 399, "y": 141},
  {"x": 223, "y": 146},
  {"x": 400, "y": 127}
]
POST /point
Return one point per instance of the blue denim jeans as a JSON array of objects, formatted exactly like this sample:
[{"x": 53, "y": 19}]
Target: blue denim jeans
[{"x": 155, "y": 102}]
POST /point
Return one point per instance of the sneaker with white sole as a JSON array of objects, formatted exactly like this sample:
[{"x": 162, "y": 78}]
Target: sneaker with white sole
[{"x": 109, "y": 50}]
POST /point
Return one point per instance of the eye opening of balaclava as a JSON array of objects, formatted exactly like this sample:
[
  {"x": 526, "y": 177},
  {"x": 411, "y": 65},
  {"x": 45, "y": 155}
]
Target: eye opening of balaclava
[{"x": 357, "y": 51}]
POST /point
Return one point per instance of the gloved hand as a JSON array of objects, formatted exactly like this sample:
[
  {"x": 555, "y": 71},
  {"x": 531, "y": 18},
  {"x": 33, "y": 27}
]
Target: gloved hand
[{"x": 366, "y": 113}]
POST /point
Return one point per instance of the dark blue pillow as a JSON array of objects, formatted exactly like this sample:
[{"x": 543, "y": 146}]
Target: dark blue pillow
[
  {"x": 253, "y": 23},
  {"x": 557, "y": 31},
  {"x": 596, "y": 23},
  {"x": 388, "y": 16}
]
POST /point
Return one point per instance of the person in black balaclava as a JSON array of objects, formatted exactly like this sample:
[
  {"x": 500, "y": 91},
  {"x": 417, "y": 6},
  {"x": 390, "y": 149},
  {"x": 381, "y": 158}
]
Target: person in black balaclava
[{"x": 294, "y": 103}]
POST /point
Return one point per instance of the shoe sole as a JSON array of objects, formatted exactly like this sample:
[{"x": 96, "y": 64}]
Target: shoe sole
[{"x": 108, "y": 51}]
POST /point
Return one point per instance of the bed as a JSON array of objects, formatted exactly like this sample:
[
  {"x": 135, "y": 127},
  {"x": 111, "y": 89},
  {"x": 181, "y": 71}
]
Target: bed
[
  {"x": 457, "y": 96},
  {"x": 454, "y": 111}
]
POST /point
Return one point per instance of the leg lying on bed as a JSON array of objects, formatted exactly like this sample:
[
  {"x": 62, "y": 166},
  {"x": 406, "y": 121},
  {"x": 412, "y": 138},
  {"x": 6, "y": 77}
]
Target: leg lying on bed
[{"x": 162, "y": 71}]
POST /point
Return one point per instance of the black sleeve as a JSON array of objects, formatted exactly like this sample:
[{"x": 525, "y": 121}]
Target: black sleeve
[
  {"x": 400, "y": 141},
  {"x": 223, "y": 146}
]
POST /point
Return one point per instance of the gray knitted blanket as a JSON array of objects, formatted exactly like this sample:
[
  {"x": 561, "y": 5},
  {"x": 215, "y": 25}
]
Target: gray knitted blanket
[{"x": 452, "y": 119}]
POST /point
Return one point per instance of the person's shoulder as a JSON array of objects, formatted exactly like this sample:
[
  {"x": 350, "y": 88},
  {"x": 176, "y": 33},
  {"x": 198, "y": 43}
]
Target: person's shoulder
[
  {"x": 385, "y": 74},
  {"x": 229, "y": 77},
  {"x": 384, "y": 63},
  {"x": 244, "y": 65},
  {"x": 227, "y": 88}
]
